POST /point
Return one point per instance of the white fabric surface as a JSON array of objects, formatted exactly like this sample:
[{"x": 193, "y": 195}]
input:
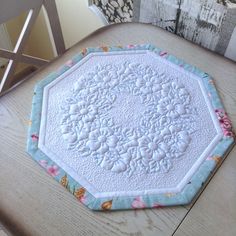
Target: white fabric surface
[{"x": 126, "y": 123}]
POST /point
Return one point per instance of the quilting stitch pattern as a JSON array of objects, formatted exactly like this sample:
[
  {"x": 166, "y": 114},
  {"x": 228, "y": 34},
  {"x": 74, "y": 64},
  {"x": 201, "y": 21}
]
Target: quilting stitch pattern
[{"x": 128, "y": 117}]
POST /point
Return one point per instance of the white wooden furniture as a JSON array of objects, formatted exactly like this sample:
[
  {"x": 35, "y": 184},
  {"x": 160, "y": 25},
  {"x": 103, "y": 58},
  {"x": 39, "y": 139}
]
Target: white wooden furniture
[
  {"x": 12, "y": 8},
  {"x": 33, "y": 203}
]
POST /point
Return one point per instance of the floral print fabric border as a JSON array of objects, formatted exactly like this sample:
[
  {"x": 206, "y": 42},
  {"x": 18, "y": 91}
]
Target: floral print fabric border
[{"x": 147, "y": 201}]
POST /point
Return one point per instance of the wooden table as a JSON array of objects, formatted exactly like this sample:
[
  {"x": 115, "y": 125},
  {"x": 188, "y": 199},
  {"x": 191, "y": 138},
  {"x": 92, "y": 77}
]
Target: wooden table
[{"x": 32, "y": 203}]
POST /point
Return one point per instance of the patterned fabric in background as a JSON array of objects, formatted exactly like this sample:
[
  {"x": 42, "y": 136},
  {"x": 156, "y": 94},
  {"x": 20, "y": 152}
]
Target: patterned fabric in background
[
  {"x": 115, "y": 11},
  {"x": 209, "y": 23}
]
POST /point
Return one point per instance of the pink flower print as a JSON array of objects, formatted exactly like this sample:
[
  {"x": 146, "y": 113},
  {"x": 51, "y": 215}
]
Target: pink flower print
[
  {"x": 162, "y": 54},
  {"x": 131, "y": 46},
  {"x": 157, "y": 205},
  {"x": 138, "y": 203},
  {"x": 82, "y": 199},
  {"x": 217, "y": 159},
  {"x": 34, "y": 137},
  {"x": 43, "y": 163},
  {"x": 53, "y": 170},
  {"x": 69, "y": 63},
  {"x": 225, "y": 122}
]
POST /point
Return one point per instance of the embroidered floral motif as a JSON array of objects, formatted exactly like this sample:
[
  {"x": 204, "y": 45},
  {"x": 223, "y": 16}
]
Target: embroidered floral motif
[
  {"x": 101, "y": 140},
  {"x": 128, "y": 118},
  {"x": 175, "y": 100},
  {"x": 82, "y": 111}
]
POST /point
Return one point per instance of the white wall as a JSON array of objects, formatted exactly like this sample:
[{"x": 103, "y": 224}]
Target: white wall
[
  {"x": 5, "y": 42},
  {"x": 77, "y": 20}
]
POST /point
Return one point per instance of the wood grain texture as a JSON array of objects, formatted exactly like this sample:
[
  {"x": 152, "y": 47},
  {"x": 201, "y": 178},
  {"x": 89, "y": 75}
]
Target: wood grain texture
[
  {"x": 215, "y": 211},
  {"x": 2, "y": 233},
  {"x": 32, "y": 203}
]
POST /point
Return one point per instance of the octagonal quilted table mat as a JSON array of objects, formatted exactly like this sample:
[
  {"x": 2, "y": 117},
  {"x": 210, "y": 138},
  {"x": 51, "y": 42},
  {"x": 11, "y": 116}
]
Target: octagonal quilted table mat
[{"x": 129, "y": 127}]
